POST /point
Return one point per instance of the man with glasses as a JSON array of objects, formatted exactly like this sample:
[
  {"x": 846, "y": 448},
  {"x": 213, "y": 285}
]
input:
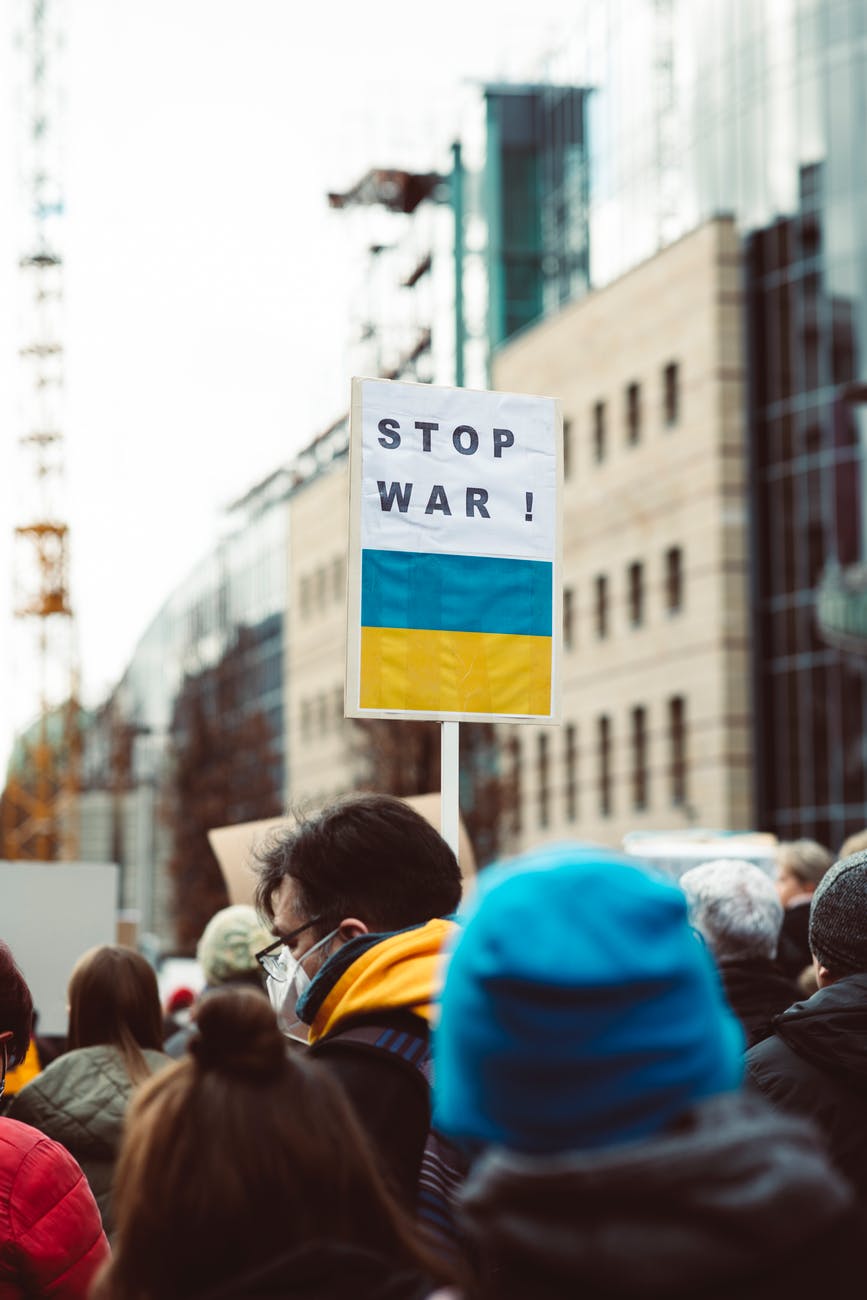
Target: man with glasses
[{"x": 360, "y": 898}]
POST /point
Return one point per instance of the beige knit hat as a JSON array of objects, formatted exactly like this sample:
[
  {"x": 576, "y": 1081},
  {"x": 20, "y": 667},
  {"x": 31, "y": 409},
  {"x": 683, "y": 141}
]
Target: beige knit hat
[{"x": 230, "y": 942}]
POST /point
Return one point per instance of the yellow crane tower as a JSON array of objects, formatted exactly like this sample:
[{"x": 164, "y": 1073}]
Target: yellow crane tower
[{"x": 39, "y": 801}]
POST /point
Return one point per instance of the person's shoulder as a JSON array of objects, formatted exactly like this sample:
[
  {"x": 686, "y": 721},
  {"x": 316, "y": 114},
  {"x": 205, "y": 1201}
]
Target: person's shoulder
[
  {"x": 157, "y": 1060},
  {"x": 49, "y": 1215},
  {"x": 17, "y": 1139},
  {"x": 28, "y": 1156},
  {"x": 767, "y": 1056}
]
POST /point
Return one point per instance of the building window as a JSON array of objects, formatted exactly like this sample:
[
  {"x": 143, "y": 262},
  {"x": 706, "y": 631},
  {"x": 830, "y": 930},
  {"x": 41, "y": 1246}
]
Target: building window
[
  {"x": 601, "y": 606},
  {"x": 568, "y": 618},
  {"x": 567, "y": 448},
  {"x": 677, "y": 749},
  {"x": 673, "y": 579},
  {"x": 671, "y": 394},
  {"x": 544, "y": 789},
  {"x": 338, "y": 580},
  {"x": 639, "y": 758},
  {"x": 599, "y": 432},
  {"x": 305, "y": 719},
  {"x": 515, "y": 763},
  {"x": 321, "y": 586},
  {"x": 636, "y": 594},
  {"x": 570, "y": 766},
  {"x": 633, "y": 414},
  {"x": 604, "y": 754},
  {"x": 323, "y": 714}
]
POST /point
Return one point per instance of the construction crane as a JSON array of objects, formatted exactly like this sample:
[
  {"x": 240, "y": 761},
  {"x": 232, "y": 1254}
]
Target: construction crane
[{"x": 40, "y": 798}]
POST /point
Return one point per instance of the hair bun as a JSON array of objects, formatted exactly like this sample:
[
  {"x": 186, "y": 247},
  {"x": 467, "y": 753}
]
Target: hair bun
[{"x": 238, "y": 1035}]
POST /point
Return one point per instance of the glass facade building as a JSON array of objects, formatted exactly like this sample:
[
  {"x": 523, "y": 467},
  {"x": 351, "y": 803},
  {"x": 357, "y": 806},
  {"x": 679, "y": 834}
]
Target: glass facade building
[
  {"x": 756, "y": 108},
  {"x": 219, "y": 641}
]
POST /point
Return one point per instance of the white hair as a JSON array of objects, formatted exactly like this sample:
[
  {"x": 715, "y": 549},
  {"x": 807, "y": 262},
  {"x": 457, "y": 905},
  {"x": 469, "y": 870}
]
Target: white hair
[{"x": 735, "y": 906}]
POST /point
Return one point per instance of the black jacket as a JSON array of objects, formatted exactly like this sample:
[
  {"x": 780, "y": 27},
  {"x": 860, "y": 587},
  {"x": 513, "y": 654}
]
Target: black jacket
[
  {"x": 756, "y": 992},
  {"x": 793, "y": 952},
  {"x": 735, "y": 1203},
  {"x": 815, "y": 1064},
  {"x": 391, "y": 1099}
]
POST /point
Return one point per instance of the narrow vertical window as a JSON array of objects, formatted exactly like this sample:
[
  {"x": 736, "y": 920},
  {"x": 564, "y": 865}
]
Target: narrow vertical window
[
  {"x": 567, "y": 448},
  {"x": 601, "y": 606},
  {"x": 305, "y": 719},
  {"x": 671, "y": 394},
  {"x": 568, "y": 618},
  {"x": 599, "y": 432},
  {"x": 570, "y": 770},
  {"x": 515, "y": 764},
  {"x": 544, "y": 787},
  {"x": 604, "y": 755},
  {"x": 673, "y": 579},
  {"x": 636, "y": 593},
  {"x": 338, "y": 579},
  {"x": 633, "y": 414},
  {"x": 677, "y": 749},
  {"x": 639, "y": 758}
]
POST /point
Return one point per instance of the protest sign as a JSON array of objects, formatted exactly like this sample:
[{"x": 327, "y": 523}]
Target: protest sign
[
  {"x": 454, "y": 594},
  {"x": 53, "y": 912}
]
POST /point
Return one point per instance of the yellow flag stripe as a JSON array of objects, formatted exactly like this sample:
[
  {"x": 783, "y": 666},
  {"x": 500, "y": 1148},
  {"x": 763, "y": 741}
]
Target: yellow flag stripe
[{"x": 455, "y": 672}]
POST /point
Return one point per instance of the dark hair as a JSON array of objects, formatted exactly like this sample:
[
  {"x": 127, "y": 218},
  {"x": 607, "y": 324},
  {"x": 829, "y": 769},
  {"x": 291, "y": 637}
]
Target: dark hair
[
  {"x": 234, "y": 1156},
  {"x": 16, "y": 1005},
  {"x": 370, "y": 856},
  {"x": 114, "y": 998}
]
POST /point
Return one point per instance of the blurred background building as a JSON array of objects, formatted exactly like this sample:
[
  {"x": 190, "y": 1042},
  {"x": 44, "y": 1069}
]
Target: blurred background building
[{"x": 667, "y": 231}]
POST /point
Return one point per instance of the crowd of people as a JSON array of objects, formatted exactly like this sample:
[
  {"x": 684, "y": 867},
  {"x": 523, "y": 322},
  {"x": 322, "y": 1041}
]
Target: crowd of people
[{"x": 585, "y": 1079}]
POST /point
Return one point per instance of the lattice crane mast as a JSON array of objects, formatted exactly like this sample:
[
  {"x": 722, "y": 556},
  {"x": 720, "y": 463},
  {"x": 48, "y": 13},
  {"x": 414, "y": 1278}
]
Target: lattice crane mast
[{"x": 40, "y": 799}]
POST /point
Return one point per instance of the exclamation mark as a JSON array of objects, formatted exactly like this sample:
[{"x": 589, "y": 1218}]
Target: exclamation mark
[{"x": 529, "y": 498}]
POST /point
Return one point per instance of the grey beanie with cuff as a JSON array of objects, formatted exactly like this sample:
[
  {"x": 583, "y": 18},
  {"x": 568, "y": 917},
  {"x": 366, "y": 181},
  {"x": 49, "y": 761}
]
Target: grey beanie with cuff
[{"x": 838, "y": 917}]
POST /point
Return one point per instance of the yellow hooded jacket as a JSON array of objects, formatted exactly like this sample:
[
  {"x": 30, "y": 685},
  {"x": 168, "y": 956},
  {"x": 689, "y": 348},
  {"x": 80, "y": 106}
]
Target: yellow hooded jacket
[{"x": 399, "y": 973}]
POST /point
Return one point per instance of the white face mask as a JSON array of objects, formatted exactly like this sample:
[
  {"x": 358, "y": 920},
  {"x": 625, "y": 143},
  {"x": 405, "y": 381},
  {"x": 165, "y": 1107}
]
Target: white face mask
[{"x": 284, "y": 995}]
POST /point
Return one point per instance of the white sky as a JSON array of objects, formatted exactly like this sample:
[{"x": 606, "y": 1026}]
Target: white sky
[{"x": 205, "y": 277}]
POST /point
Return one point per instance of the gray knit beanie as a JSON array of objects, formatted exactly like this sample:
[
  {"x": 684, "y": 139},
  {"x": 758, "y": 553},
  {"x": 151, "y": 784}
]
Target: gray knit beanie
[{"x": 838, "y": 917}]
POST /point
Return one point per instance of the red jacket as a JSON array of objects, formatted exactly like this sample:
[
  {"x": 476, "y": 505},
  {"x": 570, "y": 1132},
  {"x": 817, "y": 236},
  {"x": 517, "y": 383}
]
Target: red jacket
[{"x": 51, "y": 1237}]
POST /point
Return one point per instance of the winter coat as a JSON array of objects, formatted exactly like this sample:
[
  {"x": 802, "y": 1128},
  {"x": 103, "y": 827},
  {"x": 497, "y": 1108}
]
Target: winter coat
[
  {"x": 51, "y": 1237},
  {"x": 81, "y": 1100},
  {"x": 389, "y": 981},
  {"x": 793, "y": 950},
  {"x": 737, "y": 1201},
  {"x": 756, "y": 992},
  {"x": 815, "y": 1064}
]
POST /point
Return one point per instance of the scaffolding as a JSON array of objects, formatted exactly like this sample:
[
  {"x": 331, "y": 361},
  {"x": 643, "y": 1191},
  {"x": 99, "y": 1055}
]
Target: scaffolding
[{"x": 40, "y": 799}]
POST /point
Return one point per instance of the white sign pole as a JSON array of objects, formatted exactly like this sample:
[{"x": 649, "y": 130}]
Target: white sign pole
[{"x": 450, "y": 815}]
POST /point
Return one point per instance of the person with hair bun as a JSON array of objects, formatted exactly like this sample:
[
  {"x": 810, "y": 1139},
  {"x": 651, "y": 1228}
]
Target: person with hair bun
[
  {"x": 115, "y": 1037},
  {"x": 244, "y": 1173}
]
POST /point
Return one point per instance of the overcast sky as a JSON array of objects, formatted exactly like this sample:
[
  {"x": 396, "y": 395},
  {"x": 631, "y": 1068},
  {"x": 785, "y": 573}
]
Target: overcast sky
[{"x": 205, "y": 278}]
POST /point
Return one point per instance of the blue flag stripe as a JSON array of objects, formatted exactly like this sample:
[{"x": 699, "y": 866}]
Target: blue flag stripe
[{"x": 456, "y": 593}]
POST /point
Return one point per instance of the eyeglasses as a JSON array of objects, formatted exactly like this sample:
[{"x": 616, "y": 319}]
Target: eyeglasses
[
  {"x": 271, "y": 958},
  {"x": 5, "y": 1039}
]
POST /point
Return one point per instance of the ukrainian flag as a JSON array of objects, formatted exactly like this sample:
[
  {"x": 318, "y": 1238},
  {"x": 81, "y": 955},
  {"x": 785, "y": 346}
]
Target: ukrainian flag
[{"x": 455, "y": 633}]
